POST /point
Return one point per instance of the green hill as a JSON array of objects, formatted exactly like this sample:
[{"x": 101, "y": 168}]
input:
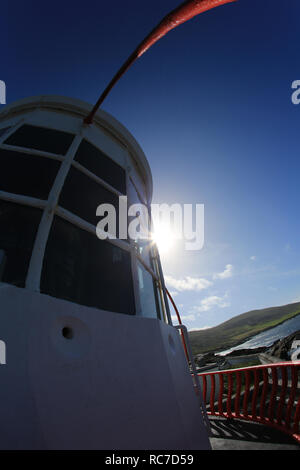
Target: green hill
[{"x": 238, "y": 329}]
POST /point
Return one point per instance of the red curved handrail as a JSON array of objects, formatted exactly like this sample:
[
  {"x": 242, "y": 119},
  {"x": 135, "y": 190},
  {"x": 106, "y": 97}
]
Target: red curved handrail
[
  {"x": 179, "y": 321},
  {"x": 268, "y": 394},
  {"x": 184, "y": 12}
]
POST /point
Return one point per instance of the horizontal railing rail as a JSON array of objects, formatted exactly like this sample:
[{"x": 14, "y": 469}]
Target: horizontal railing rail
[{"x": 267, "y": 394}]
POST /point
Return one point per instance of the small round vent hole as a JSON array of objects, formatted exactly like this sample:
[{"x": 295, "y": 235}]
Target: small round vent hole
[{"x": 67, "y": 332}]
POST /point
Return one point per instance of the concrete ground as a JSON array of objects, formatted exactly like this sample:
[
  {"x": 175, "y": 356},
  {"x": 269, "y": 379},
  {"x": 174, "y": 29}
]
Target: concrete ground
[{"x": 234, "y": 434}]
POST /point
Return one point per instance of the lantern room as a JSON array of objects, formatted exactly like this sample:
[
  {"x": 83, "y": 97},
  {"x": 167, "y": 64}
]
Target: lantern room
[
  {"x": 55, "y": 172},
  {"x": 92, "y": 358}
]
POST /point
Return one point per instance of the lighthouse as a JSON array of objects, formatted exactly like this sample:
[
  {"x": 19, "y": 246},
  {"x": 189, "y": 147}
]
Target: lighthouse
[{"x": 92, "y": 358}]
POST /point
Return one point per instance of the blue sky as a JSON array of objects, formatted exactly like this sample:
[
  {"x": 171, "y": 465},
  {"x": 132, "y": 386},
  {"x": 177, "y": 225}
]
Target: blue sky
[{"x": 210, "y": 104}]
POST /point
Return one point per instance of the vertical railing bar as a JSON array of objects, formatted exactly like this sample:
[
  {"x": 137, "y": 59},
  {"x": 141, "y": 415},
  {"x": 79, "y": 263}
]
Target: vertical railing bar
[
  {"x": 282, "y": 394},
  {"x": 273, "y": 394},
  {"x": 221, "y": 389},
  {"x": 255, "y": 394},
  {"x": 238, "y": 394},
  {"x": 212, "y": 394},
  {"x": 296, "y": 429},
  {"x": 263, "y": 395},
  {"x": 204, "y": 382},
  {"x": 292, "y": 397},
  {"x": 246, "y": 395},
  {"x": 229, "y": 412},
  {"x": 297, "y": 412}
]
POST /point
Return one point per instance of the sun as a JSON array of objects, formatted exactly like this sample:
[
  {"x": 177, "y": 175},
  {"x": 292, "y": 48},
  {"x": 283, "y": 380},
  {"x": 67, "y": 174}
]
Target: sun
[{"x": 163, "y": 238}]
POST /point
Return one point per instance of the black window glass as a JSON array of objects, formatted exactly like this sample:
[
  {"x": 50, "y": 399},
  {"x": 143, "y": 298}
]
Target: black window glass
[
  {"x": 18, "y": 228},
  {"x": 101, "y": 165},
  {"x": 147, "y": 293},
  {"x": 41, "y": 138},
  {"x": 83, "y": 269},
  {"x": 29, "y": 175},
  {"x": 3, "y": 130},
  {"x": 144, "y": 243},
  {"x": 82, "y": 195}
]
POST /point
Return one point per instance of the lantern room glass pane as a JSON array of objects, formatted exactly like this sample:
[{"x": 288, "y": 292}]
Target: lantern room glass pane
[
  {"x": 142, "y": 241},
  {"x": 41, "y": 138},
  {"x": 101, "y": 165},
  {"x": 3, "y": 130},
  {"x": 81, "y": 195},
  {"x": 147, "y": 295},
  {"x": 30, "y": 175},
  {"x": 18, "y": 228},
  {"x": 83, "y": 269}
]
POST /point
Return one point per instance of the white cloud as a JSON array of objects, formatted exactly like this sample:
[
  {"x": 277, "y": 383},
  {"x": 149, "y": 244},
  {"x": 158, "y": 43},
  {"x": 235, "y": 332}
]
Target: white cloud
[
  {"x": 191, "y": 317},
  {"x": 173, "y": 293},
  {"x": 228, "y": 272},
  {"x": 253, "y": 258},
  {"x": 198, "y": 328},
  {"x": 212, "y": 301},
  {"x": 188, "y": 283}
]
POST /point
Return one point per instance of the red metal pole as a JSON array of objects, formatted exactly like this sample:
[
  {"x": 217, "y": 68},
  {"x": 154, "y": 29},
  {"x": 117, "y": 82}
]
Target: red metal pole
[
  {"x": 264, "y": 395},
  {"x": 296, "y": 430},
  {"x": 292, "y": 397},
  {"x": 286, "y": 419},
  {"x": 273, "y": 394},
  {"x": 246, "y": 395},
  {"x": 238, "y": 394},
  {"x": 282, "y": 394},
  {"x": 229, "y": 394},
  {"x": 212, "y": 394},
  {"x": 255, "y": 393},
  {"x": 179, "y": 321},
  {"x": 204, "y": 385},
  {"x": 181, "y": 14},
  {"x": 221, "y": 390}
]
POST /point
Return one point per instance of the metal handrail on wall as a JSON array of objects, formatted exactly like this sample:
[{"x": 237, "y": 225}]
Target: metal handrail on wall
[{"x": 268, "y": 394}]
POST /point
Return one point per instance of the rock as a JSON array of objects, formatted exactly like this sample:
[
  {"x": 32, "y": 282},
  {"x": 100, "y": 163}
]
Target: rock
[
  {"x": 282, "y": 347},
  {"x": 203, "y": 359},
  {"x": 245, "y": 352}
]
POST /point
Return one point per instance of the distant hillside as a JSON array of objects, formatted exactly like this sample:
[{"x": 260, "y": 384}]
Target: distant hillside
[{"x": 238, "y": 329}]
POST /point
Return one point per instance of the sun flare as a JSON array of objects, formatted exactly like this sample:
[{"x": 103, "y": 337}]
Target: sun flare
[{"x": 163, "y": 238}]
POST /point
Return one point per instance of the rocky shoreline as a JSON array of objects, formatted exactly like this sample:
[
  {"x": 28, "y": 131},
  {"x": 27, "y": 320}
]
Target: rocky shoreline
[{"x": 280, "y": 349}]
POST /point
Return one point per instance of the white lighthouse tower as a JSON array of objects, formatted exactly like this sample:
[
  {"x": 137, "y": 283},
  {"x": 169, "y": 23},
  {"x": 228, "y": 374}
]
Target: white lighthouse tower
[{"x": 92, "y": 358}]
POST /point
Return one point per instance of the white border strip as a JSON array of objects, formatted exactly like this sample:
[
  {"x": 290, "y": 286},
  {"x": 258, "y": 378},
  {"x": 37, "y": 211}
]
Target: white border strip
[
  {"x": 29, "y": 151},
  {"x": 25, "y": 200},
  {"x": 37, "y": 257}
]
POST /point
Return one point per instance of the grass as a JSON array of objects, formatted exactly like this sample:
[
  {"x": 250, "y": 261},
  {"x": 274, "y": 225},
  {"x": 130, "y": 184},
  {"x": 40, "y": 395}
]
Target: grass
[
  {"x": 241, "y": 328},
  {"x": 263, "y": 327}
]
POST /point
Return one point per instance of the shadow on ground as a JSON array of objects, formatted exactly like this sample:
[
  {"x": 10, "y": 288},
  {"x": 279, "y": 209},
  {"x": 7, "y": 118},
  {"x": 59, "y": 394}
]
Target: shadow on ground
[{"x": 234, "y": 434}]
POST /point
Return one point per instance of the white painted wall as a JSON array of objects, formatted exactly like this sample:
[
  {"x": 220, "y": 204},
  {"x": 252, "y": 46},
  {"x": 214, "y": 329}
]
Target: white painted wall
[{"x": 121, "y": 382}]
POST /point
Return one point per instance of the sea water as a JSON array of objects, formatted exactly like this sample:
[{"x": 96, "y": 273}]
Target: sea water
[{"x": 267, "y": 338}]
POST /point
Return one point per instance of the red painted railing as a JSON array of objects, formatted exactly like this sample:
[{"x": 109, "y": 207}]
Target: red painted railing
[{"x": 267, "y": 394}]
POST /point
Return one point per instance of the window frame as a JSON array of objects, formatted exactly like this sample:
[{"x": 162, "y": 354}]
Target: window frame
[
  {"x": 46, "y": 128},
  {"x": 51, "y": 208}
]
